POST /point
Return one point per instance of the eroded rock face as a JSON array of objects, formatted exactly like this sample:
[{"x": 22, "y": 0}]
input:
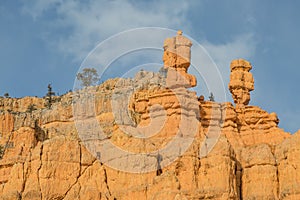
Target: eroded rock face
[
  {"x": 287, "y": 158},
  {"x": 57, "y": 164},
  {"x": 20, "y": 104},
  {"x": 46, "y": 156},
  {"x": 254, "y": 135}
]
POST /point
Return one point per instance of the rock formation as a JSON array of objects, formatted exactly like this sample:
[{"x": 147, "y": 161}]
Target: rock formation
[
  {"x": 241, "y": 81},
  {"x": 177, "y": 59},
  {"x": 46, "y": 156}
]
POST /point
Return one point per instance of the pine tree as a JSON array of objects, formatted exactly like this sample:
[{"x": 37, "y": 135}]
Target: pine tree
[
  {"x": 49, "y": 96},
  {"x": 211, "y": 97},
  {"x": 31, "y": 108},
  {"x": 6, "y": 95}
]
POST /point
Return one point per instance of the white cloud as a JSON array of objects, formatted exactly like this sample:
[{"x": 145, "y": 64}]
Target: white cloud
[
  {"x": 240, "y": 46},
  {"x": 36, "y": 8},
  {"x": 94, "y": 21}
]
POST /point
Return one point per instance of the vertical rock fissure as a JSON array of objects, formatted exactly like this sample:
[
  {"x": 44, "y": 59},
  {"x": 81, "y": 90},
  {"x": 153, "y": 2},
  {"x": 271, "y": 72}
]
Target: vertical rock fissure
[
  {"x": 38, "y": 171},
  {"x": 241, "y": 184},
  {"x": 146, "y": 192},
  {"x": 196, "y": 169},
  {"x": 23, "y": 122},
  {"x": 238, "y": 176},
  {"x": 105, "y": 179},
  {"x": 25, "y": 175},
  {"x": 277, "y": 182},
  {"x": 79, "y": 173},
  {"x": 80, "y": 158},
  {"x": 7, "y": 142},
  {"x": 23, "y": 182}
]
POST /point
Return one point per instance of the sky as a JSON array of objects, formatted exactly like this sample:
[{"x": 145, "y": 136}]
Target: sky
[{"x": 47, "y": 41}]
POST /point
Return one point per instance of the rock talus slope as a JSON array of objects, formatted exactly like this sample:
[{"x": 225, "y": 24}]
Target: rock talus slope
[{"x": 220, "y": 150}]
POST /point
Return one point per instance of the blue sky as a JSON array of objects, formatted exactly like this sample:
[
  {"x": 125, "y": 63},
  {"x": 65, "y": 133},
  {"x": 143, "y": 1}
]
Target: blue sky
[{"x": 45, "y": 42}]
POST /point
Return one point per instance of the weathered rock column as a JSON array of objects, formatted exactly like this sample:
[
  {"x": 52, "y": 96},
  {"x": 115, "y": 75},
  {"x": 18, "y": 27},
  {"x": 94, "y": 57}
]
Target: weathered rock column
[
  {"x": 241, "y": 82},
  {"x": 177, "y": 59}
]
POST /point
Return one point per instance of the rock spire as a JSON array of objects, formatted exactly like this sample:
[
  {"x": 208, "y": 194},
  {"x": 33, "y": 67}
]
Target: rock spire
[
  {"x": 177, "y": 59},
  {"x": 241, "y": 82}
]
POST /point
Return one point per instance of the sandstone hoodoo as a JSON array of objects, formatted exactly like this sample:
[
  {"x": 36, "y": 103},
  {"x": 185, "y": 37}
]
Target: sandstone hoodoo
[
  {"x": 177, "y": 59},
  {"x": 241, "y": 81},
  {"x": 177, "y": 145}
]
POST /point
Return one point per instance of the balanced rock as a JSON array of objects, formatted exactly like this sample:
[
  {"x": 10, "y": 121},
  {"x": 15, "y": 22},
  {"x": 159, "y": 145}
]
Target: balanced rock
[
  {"x": 241, "y": 81},
  {"x": 177, "y": 59}
]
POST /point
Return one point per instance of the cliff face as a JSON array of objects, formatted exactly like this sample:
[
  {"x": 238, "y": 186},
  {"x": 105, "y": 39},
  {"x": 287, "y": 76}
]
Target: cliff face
[{"x": 220, "y": 150}]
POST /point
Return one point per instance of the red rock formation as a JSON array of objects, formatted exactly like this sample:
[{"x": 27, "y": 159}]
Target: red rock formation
[
  {"x": 177, "y": 59},
  {"x": 47, "y": 158},
  {"x": 241, "y": 82}
]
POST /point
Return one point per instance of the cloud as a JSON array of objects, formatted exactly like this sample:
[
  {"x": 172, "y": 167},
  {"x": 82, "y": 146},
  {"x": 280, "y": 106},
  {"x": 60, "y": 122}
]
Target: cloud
[
  {"x": 241, "y": 46},
  {"x": 93, "y": 21}
]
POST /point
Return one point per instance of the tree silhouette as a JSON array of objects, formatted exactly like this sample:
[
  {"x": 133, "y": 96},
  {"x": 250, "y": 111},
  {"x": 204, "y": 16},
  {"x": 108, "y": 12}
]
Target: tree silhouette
[
  {"x": 6, "y": 95},
  {"x": 163, "y": 72},
  {"x": 88, "y": 77},
  {"x": 49, "y": 96},
  {"x": 31, "y": 108},
  {"x": 211, "y": 97}
]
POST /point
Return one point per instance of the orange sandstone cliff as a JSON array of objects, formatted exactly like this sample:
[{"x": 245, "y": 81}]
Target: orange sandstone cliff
[{"x": 158, "y": 140}]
